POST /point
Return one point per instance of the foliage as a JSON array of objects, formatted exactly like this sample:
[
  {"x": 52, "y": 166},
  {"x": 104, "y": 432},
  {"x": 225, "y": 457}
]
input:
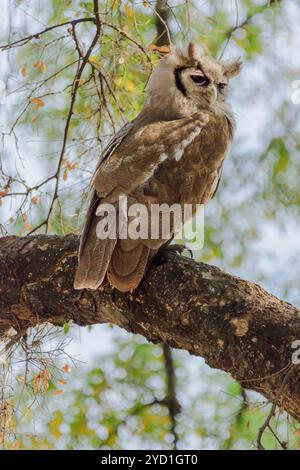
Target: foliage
[{"x": 119, "y": 403}]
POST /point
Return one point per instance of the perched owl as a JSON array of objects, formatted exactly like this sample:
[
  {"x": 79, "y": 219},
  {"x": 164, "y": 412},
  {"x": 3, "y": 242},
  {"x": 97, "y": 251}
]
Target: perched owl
[{"x": 172, "y": 152}]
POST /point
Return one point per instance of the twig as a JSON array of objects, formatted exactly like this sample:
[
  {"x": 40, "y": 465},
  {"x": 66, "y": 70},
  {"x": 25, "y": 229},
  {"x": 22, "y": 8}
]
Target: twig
[
  {"x": 246, "y": 21},
  {"x": 76, "y": 82},
  {"x": 25, "y": 40},
  {"x": 272, "y": 413},
  {"x": 127, "y": 36},
  {"x": 171, "y": 400},
  {"x": 162, "y": 13}
]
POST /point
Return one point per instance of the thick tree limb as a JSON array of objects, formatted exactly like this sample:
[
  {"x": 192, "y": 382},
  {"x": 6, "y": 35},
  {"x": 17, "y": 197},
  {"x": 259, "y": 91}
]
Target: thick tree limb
[{"x": 233, "y": 324}]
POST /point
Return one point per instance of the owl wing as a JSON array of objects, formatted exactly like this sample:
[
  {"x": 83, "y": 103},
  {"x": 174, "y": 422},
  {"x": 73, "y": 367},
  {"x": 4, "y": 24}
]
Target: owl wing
[
  {"x": 94, "y": 198},
  {"x": 136, "y": 158},
  {"x": 217, "y": 184},
  {"x": 129, "y": 161}
]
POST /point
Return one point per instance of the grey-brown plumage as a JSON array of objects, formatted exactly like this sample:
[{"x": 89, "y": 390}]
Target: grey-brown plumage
[{"x": 171, "y": 153}]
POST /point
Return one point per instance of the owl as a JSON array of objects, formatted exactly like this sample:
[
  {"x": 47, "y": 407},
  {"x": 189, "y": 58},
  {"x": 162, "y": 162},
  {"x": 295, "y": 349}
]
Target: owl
[{"x": 171, "y": 153}]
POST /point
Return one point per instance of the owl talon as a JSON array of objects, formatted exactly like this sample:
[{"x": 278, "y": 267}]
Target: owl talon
[{"x": 177, "y": 248}]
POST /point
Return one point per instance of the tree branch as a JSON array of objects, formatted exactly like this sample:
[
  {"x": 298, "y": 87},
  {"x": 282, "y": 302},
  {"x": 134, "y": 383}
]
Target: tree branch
[
  {"x": 233, "y": 324},
  {"x": 171, "y": 400},
  {"x": 162, "y": 14},
  {"x": 25, "y": 40}
]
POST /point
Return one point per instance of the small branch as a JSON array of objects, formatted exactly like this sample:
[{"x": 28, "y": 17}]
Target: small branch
[
  {"x": 25, "y": 40},
  {"x": 76, "y": 82},
  {"x": 171, "y": 399},
  {"x": 129, "y": 38},
  {"x": 245, "y": 22},
  {"x": 266, "y": 424},
  {"x": 162, "y": 14}
]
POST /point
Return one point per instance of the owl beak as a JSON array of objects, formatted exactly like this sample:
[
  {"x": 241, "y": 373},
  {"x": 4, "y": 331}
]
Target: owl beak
[{"x": 215, "y": 92}]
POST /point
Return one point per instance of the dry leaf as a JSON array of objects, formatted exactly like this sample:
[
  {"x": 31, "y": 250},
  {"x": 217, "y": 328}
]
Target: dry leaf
[
  {"x": 58, "y": 392},
  {"x": 40, "y": 65},
  {"x": 62, "y": 382},
  {"x": 35, "y": 199},
  {"x": 47, "y": 374},
  {"x": 5, "y": 191},
  {"x": 36, "y": 384},
  {"x": 162, "y": 49},
  {"x": 24, "y": 70},
  {"x": 66, "y": 368},
  {"x": 41, "y": 381},
  {"x": 38, "y": 101},
  {"x": 21, "y": 379},
  {"x": 65, "y": 175},
  {"x": 71, "y": 166}
]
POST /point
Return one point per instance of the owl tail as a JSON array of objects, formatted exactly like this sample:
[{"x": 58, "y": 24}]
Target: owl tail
[
  {"x": 94, "y": 253},
  {"x": 94, "y": 260},
  {"x": 128, "y": 264},
  {"x": 123, "y": 261}
]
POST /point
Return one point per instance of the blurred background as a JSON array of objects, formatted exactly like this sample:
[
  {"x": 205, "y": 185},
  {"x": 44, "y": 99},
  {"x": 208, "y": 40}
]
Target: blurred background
[{"x": 107, "y": 389}]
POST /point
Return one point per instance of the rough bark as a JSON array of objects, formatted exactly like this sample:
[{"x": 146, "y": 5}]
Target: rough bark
[{"x": 233, "y": 324}]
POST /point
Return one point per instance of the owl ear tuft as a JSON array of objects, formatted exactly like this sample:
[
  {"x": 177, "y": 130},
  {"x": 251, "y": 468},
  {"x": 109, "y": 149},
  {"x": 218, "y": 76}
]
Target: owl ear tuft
[
  {"x": 192, "y": 51},
  {"x": 231, "y": 69}
]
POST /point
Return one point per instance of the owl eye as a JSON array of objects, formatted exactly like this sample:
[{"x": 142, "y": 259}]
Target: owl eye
[
  {"x": 221, "y": 86},
  {"x": 200, "y": 80}
]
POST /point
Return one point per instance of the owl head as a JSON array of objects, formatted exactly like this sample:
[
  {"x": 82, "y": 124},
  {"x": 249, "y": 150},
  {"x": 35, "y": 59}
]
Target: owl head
[{"x": 193, "y": 78}]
